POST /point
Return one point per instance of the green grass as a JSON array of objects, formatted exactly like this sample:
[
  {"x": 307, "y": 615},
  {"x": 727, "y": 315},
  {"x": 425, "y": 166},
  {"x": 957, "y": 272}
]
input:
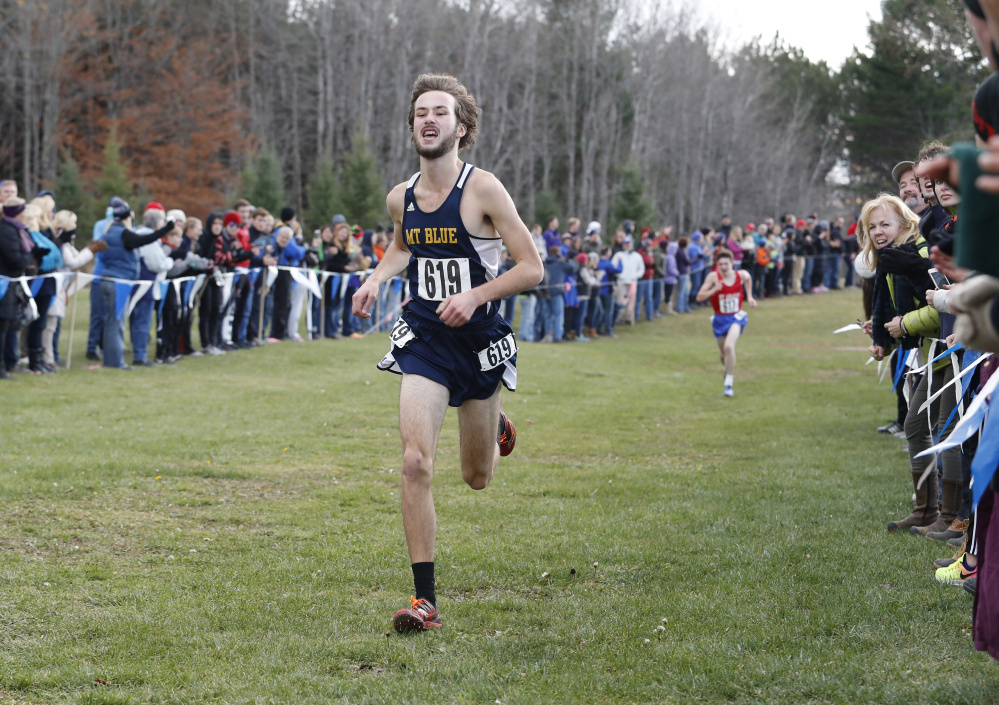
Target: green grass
[{"x": 228, "y": 531}]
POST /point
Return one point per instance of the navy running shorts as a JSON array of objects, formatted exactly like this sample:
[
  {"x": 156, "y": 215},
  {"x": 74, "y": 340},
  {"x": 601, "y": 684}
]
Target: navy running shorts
[{"x": 470, "y": 360}]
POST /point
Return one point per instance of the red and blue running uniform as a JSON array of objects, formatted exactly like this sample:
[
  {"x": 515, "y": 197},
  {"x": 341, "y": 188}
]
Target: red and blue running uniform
[{"x": 727, "y": 304}]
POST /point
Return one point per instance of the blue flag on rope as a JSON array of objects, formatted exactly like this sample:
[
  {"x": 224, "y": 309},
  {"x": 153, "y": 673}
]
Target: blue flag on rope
[
  {"x": 36, "y": 285},
  {"x": 254, "y": 273},
  {"x": 335, "y": 287},
  {"x": 4, "y": 283},
  {"x": 186, "y": 289},
  {"x": 900, "y": 359},
  {"x": 983, "y": 467},
  {"x": 122, "y": 293},
  {"x": 397, "y": 285},
  {"x": 164, "y": 288}
]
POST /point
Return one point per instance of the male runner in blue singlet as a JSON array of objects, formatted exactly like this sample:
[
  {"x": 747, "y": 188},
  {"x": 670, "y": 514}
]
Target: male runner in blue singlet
[{"x": 451, "y": 345}]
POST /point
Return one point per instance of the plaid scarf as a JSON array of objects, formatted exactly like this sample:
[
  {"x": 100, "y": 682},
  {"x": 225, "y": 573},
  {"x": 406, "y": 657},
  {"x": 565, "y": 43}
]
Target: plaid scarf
[{"x": 907, "y": 298}]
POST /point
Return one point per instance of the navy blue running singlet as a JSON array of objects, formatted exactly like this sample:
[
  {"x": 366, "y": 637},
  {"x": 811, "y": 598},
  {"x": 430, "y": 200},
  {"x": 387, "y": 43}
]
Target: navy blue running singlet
[{"x": 446, "y": 259}]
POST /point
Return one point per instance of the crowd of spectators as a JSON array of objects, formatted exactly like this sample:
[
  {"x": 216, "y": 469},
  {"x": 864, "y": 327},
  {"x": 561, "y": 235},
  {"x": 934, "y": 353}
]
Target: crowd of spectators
[
  {"x": 933, "y": 315},
  {"x": 592, "y": 284},
  {"x": 242, "y": 278}
]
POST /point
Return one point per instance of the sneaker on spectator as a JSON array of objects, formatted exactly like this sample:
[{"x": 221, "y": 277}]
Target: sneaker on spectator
[
  {"x": 93, "y": 356},
  {"x": 971, "y": 585},
  {"x": 956, "y": 573},
  {"x": 212, "y": 350},
  {"x": 418, "y": 617},
  {"x": 197, "y": 353},
  {"x": 356, "y": 335},
  {"x": 173, "y": 359},
  {"x": 892, "y": 427}
]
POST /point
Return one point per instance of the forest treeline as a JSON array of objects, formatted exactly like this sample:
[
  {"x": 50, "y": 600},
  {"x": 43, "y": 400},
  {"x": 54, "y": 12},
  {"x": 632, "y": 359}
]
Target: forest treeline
[{"x": 602, "y": 109}]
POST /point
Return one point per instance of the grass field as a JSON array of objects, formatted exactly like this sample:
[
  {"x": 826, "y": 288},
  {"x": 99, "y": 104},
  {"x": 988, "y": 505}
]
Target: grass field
[{"x": 228, "y": 531}]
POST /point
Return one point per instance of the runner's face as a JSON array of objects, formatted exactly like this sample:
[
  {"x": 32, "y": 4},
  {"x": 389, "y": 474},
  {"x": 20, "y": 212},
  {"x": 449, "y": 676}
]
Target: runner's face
[
  {"x": 724, "y": 267},
  {"x": 435, "y": 126},
  {"x": 884, "y": 227}
]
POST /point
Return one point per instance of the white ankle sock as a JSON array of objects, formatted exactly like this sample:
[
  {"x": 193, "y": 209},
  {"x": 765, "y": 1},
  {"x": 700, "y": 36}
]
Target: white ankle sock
[{"x": 729, "y": 380}]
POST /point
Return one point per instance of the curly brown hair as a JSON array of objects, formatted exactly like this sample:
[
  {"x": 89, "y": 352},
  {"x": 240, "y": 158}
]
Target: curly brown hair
[
  {"x": 465, "y": 108},
  {"x": 930, "y": 150}
]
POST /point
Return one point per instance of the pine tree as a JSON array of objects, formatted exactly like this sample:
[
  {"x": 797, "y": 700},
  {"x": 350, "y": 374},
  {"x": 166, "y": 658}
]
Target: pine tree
[
  {"x": 323, "y": 193},
  {"x": 631, "y": 202},
  {"x": 113, "y": 180},
  {"x": 915, "y": 86},
  {"x": 546, "y": 205},
  {"x": 263, "y": 183},
  {"x": 361, "y": 189},
  {"x": 71, "y": 196}
]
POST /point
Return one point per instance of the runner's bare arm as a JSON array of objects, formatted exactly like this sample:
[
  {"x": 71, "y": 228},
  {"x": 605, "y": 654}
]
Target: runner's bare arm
[
  {"x": 498, "y": 207},
  {"x": 747, "y": 283},
  {"x": 708, "y": 288},
  {"x": 395, "y": 260}
]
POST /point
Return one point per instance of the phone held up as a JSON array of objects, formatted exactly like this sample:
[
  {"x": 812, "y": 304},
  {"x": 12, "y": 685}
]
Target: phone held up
[{"x": 939, "y": 280}]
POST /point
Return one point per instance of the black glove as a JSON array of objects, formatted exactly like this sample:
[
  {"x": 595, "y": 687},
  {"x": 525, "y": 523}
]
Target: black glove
[
  {"x": 909, "y": 264},
  {"x": 946, "y": 244},
  {"x": 177, "y": 254},
  {"x": 39, "y": 253}
]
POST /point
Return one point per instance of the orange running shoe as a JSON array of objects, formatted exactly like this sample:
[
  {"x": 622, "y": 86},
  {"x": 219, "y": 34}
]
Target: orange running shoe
[
  {"x": 506, "y": 436},
  {"x": 420, "y": 617}
]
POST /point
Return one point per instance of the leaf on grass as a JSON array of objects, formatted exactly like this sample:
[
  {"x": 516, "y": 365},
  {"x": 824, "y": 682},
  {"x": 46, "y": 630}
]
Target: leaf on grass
[{"x": 101, "y": 681}]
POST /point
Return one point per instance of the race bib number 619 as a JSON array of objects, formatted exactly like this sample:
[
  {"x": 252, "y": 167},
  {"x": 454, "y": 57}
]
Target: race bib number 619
[
  {"x": 441, "y": 278},
  {"x": 498, "y": 352}
]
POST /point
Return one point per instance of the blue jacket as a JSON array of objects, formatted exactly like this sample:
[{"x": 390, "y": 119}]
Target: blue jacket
[
  {"x": 292, "y": 254},
  {"x": 53, "y": 260},
  {"x": 606, "y": 268}
]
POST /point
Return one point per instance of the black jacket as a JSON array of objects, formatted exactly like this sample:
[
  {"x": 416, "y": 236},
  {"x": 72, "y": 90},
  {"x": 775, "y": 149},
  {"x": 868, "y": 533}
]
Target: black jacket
[{"x": 13, "y": 263}]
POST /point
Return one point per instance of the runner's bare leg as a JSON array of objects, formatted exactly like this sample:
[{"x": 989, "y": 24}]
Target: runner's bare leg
[
  {"x": 728, "y": 348},
  {"x": 422, "y": 405},
  {"x": 478, "y": 420}
]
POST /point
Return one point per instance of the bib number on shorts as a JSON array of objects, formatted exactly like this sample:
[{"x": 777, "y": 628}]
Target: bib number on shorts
[
  {"x": 441, "y": 278},
  {"x": 401, "y": 334},
  {"x": 728, "y": 303},
  {"x": 497, "y": 353}
]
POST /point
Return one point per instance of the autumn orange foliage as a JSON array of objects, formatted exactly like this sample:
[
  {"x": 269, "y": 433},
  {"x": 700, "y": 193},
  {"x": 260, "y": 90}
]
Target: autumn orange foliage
[{"x": 172, "y": 99}]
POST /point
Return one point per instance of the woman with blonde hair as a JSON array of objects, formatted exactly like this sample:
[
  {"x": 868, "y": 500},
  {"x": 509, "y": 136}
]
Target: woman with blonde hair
[
  {"x": 64, "y": 232},
  {"x": 901, "y": 317},
  {"x": 43, "y": 290}
]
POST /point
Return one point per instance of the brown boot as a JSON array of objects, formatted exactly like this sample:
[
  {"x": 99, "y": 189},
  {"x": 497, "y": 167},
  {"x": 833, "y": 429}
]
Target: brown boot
[
  {"x": 950, "y": 505},
  {"x": 926, "y": 510}
]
